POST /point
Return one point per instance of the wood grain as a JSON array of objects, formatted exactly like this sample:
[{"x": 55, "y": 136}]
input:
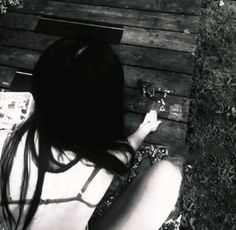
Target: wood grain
[
  {"x": 173, "y": 6},
  {"x": 137, "y": 18},
  {"x": 26, "y": 39},
  {"x": 17, "y": 20},
  {"x": 133, "y": 36},
  {"x": 170, "y": 6},
  {"x": 168, "y": 133},
  {"x": 159, "y": 39},
  {"x": 175, "y": 83},
  {"x": 19, "y": 58},
  {"x": 130, "y": 55},
  {"x": 156, "y": 58},
  {"x": 137, "y": 103}
]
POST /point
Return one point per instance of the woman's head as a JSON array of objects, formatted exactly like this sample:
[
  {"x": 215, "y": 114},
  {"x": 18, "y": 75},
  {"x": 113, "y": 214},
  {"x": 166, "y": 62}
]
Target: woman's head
[{"x": 78, "y": 91}]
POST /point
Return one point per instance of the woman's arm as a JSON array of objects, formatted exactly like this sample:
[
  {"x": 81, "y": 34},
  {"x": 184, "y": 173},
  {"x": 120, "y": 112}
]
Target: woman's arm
[{"x": 150, "y": 124}]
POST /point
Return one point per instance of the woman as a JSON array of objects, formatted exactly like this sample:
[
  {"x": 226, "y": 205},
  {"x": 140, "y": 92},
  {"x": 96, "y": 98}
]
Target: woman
[{"x": 58, "y": 164}]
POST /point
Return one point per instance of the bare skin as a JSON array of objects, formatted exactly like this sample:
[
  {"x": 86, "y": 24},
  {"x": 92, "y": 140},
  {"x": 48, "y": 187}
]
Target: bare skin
[
  {"x": 150, "y": 198},
  {"x": 145, "y": 204}
]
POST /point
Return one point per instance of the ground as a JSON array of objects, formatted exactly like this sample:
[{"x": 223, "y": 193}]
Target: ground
[{"x": 209, "y": 188}]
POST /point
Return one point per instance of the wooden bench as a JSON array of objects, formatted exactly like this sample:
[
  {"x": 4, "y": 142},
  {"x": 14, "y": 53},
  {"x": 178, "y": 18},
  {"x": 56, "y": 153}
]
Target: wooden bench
[{"x": 157, "y": 47}]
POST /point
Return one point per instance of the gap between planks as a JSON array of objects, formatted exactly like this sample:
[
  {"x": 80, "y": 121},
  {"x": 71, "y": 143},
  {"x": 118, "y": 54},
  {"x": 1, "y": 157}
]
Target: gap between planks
[{"x": 168, "y": 6}]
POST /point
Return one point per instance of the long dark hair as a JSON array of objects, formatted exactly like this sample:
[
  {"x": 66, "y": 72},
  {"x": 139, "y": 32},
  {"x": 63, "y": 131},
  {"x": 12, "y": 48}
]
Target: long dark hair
[{"x": 78, "y": 93}]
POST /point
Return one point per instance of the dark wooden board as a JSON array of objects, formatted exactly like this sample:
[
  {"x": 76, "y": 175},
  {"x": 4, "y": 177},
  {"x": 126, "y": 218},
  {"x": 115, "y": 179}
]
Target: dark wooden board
[
  {"x": 175, "y": 83},
  {"x": 173, "y": 6},
  {"x": 19, "y": 21},
  {"x": 168, "y": 133},
  {"x": 133, "y": 36},
  {"x": 170, "y": 6},
  {"x": 159, "y": 39},
  {"x": 25, "y": 39},
  {"x": 6, "y": 76},
  {"x": 113, "y": 33},
  {"x": 156, "y": 58},
  {"x": 130, "y": 55},
  {"x": 137, "y": 18},
  {"x": 18, "y": 58},
  {"x": 175, "y": 108}
]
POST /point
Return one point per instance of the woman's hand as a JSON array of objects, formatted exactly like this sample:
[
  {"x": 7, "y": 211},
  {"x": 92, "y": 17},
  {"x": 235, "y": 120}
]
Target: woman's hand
[
  {"x": 150, "y": 121},
  {"x": 149, "y": 124}
]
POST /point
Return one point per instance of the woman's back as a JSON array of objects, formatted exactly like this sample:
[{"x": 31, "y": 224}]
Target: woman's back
[
  {"x": 68, "y": 199},
  {"x": 65, "y": 120}
]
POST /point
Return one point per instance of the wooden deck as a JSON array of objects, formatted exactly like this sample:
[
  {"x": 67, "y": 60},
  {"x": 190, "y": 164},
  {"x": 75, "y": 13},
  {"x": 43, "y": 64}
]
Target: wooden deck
[{"x": 157, "y": 47}]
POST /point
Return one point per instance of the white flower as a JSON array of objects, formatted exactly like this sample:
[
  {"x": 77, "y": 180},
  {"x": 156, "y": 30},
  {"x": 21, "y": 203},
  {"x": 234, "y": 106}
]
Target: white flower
[{"x": 221, "y": 3}]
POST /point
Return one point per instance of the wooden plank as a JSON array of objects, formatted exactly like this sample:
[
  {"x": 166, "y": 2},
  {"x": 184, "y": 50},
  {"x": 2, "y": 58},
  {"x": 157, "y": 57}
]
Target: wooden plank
[
  {"x": 172, "y": 6},
  {"x": 130, "y": 55},
  {"x": 175, "y": 108},
  {"x": 169, "y": 6},
  {"x": 133, "y": 36},
  {"x": 161, "y": 81},
  {"x": 159, "y": 39},
  {"x": 19, "y": 58},
  {"x": 19, "y": 21},
  {"x": 168, "y": 133},
  {"x": 137, "y": 18},
  {"x": 6, "y": 76},
  {"x": 25, "y": 39},
  {"x": 156, "y": 58}
]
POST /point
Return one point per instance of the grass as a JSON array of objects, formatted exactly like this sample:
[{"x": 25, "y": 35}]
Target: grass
[
  {"x": 209, "y": 188},
  {"x": 4, "y": 4}
]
